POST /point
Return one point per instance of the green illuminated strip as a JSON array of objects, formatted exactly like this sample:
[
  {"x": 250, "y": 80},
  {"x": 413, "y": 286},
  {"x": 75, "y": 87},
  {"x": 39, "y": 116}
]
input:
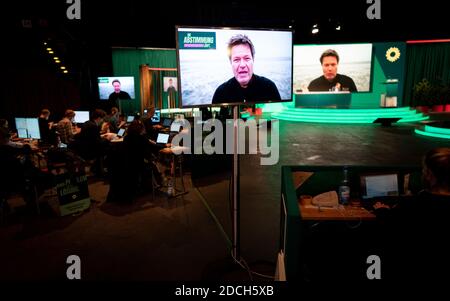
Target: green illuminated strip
[
  {"x": 418, "y": 118},
  {"x": 348, "y": 115},
  {"x": 346, "y": 111},
  {"x": 344, "y": 116},
  {"x": 420, "y": 132},
  {"x": 437, "y": 130}
]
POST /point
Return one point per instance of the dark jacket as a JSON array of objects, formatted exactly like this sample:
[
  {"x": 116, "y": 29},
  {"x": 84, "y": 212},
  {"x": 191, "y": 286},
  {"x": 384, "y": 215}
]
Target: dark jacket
[{"x": 259, "y": 89}]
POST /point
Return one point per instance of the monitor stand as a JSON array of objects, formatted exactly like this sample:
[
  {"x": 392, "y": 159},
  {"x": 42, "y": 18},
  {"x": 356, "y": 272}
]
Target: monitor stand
[{"x": 235, "y": 188}]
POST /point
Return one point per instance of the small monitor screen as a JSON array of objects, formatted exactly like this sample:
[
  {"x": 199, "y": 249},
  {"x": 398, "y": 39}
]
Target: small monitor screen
[
  {"x": 22, "y": 133},
  {"x": 162, "y": 138},
  {"x": 81, "y": 116},
  {"x": 29, "y": 128},
  {"x": 175, "y": 127},
  {"x": 167, "y": 122},
  {"x": 130, "y": 118},
  {"x": 121, "y": 132},
  {"x": 117, "y": 87},
  {"x": 156, "y": 118},
  {"x": 379, "y": 185},
  {"x": 233, "y": 65}
]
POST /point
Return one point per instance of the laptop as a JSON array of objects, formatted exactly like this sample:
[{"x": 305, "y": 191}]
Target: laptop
[
  {"x": 162, "y": 139},
  {"x": 121, "y": 133},
  {"x": 175, "y": 126},
  {"x": 379, "y": 185}
]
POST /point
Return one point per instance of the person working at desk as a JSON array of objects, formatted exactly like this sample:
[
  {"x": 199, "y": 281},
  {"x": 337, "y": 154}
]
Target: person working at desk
[
  {"x": 45, "y": 126},
  {"x": 331, "y": 80},
  {"x": 141, "y": 149},
  {"x": 65, "y": 127},
  {"x": 245, "y": 86},
  {"x": 415, "y": 229},
  {"x": 151, "y": 129},
  {"x": 4, "y": 125},
  {"x": 18, "y": 174}
]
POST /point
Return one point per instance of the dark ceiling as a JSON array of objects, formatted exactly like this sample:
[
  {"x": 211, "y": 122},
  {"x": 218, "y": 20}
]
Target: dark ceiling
[{"x": 152, "y": 24}]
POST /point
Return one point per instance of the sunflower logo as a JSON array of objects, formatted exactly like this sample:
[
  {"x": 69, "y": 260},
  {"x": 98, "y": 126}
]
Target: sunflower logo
[{"x": 392, "y": 54}]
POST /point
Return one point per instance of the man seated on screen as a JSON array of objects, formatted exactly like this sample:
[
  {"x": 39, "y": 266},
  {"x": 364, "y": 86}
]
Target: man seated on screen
[
  {"x": 245, "y": 86},
  {"x": 117, "y": 94},
  {"x": 331, "y": 80}
]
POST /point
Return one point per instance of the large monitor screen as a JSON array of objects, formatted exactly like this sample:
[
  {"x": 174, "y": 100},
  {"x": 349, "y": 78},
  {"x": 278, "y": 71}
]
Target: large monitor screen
[
  {"x": 233, "y": 66},
  {"x": 332, "y": 68},
  {"x": 28, "y": 128},
  {"x": 81, "y": 116},
  {"x": 117, "y": 87}
]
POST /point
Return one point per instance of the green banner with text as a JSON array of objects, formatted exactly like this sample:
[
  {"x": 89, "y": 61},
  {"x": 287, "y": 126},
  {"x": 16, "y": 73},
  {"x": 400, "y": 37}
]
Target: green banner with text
[{"x": 196, "y": 40}]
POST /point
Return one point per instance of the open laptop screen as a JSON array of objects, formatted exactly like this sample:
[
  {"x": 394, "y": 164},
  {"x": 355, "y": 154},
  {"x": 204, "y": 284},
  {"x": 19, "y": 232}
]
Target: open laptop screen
[
  {"x": 379, "y": 185},
  {"x": 167, "y": 122},
  {"x": 121, "y": 132},
  {"x": 162, "y": 138},
  {"x": 175, "y": 126}
]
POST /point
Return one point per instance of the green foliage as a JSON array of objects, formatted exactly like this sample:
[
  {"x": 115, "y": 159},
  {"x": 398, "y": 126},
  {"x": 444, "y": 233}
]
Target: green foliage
[
  {"x": 421, "y": 92},
  {"x": 426, "y": 93}
]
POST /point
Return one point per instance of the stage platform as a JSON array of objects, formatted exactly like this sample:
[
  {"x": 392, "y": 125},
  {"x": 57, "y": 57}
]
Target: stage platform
[
  {"x": 435, "y": 130},
  {"x": 316, "y": 115}
]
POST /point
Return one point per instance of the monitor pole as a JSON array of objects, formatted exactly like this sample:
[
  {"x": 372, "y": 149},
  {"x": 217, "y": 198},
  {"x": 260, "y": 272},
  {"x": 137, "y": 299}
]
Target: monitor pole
[{"x": 235, "y": 187}]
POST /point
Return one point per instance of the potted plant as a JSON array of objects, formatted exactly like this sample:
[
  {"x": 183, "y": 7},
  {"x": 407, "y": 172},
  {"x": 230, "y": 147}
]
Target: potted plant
[{"x": 421, "y": 95}]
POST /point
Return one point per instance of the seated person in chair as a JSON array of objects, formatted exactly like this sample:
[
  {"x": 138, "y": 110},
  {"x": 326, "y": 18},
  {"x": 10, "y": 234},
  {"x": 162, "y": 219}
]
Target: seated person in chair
[
  {"x": 131, "y": 164},
  {"x": 415, "y": 229}
]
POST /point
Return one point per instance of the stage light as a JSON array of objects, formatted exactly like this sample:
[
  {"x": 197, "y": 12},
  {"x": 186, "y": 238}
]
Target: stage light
[
  {"x": 49, "y": 49},
  {"x": 65, "y": 71},
  {"x": 56, "y": 58},
  {"x": 315, "y": 29},
  {"x": 45, "y": 43},
  {"x": 57, "y": 61},
  {"x": 62, "y": 67},
  {"x": 50, "y": 52},
  {"x": 338, "y": 27}
]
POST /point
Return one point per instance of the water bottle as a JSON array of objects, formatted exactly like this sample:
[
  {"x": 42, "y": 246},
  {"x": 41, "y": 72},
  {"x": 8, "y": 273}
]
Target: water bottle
[{"x": 344, "y": 189}]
